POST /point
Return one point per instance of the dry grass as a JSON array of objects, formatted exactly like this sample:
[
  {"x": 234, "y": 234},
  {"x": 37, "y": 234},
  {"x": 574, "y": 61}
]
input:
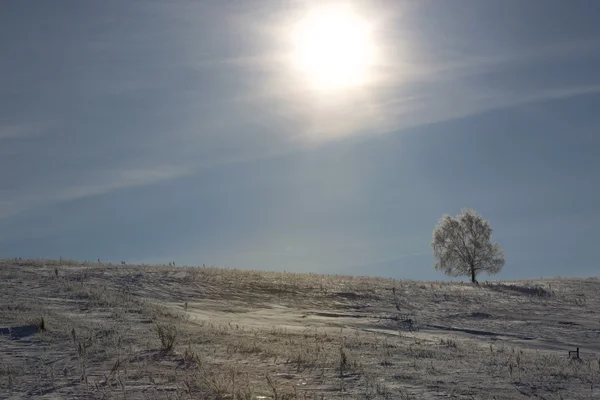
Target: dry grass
[{"x": 139, "y": 332}]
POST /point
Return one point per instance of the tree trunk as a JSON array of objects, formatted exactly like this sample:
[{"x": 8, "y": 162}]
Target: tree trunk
[{"x": 473, "y": 280}]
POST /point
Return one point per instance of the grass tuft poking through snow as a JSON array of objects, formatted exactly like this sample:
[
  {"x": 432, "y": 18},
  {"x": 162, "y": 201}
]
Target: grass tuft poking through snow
[{"x": 84, "y": 330}]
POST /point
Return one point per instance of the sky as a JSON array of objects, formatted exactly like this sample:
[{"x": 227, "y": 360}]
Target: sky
[{"x": 155, "y": 131}]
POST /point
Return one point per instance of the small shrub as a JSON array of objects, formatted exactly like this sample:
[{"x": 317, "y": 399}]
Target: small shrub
[
  {"x": 449, "y": 343},
  {"x": 192, "y": 357},
  {"x": 272, "y": 385},
  {"x": 167, "y": 333},
  {"x": 41, "y": 324},
  {"x": 343, "y": 361}
]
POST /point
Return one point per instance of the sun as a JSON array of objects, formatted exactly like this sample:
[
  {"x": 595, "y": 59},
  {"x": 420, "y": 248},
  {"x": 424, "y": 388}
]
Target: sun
[{"x": 333, "y": 48}]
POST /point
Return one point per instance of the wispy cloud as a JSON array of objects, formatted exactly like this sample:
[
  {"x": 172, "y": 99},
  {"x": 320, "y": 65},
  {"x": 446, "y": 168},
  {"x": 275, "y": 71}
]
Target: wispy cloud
[
  {"x": 405, "y": 93},
  {"x": 266, "y": 111},
  {"x": 416, "y": 80},
  {"x": 23, "y": 130},
  {"x": 86, "y": 186}
]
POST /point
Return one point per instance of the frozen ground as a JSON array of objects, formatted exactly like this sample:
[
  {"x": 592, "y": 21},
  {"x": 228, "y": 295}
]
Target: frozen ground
[{"x": 252, "y": 335}]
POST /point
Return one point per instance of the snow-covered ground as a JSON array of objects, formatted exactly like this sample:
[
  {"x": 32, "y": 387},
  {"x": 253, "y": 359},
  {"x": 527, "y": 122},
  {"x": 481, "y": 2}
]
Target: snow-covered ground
[{"x": 251, "y": 334}]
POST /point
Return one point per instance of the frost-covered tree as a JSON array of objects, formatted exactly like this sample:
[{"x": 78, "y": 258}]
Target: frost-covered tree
[{"x": 463, "y": 246}]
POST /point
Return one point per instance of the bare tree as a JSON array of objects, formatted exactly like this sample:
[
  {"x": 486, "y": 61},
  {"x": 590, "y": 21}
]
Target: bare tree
[{"x": 463, "y": 246}]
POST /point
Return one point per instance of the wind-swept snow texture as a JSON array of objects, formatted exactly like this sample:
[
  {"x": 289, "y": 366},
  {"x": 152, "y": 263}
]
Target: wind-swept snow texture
[{"x": 140, "y": 332}]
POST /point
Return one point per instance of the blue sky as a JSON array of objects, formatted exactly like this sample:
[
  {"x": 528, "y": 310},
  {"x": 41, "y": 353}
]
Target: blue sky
[{"x": 158, "y": 131}]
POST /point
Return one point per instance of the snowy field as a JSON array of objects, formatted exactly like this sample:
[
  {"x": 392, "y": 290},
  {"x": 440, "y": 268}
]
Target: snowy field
[{"x": 98, "y": 331}]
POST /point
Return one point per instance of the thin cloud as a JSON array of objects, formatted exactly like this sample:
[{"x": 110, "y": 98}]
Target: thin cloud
[
  {"x": 417, "y": 94},
  {"x": 414, "y": 83},
  {"x": 23, "y": 130},
  {"x": 107, "y": 183}
]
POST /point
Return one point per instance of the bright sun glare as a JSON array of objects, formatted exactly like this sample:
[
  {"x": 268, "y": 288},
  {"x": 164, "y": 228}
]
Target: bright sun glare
[{"x": 333, "y": 48}]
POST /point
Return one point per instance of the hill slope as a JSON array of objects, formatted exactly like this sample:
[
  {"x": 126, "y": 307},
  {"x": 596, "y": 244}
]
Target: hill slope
[{"x": 107, "y": 333}]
